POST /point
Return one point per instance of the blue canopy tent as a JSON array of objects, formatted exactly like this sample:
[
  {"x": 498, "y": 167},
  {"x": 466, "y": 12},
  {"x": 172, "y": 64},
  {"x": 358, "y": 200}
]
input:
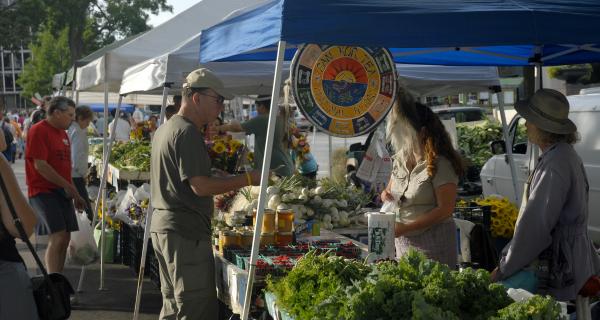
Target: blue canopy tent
[
  {"x": 451, "y": 32},
  {"x": 97, "y": 107}
]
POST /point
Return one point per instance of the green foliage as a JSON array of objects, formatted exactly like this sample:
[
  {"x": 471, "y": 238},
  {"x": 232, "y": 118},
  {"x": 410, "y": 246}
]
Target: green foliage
[
  {"x": 19, "y": 23},
  {"x": 474, "y": 141},
  {"x": 315, "y": 287},
  {"x": 133, "y": 155},
  {"x": 536, "y": 308},
  {"x": 328, "y": 287},
  {"x": 50, "y": 55}
]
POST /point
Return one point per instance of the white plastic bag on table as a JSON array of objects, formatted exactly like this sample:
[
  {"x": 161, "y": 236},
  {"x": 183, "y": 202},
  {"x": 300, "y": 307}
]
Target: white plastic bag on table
[
  {"x": 128, "y": 199},
  {"x": 82, "y": 247}
]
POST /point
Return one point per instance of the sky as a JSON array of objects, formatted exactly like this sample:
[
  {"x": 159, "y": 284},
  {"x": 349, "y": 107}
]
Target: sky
[{"x": 178, "y": 6}]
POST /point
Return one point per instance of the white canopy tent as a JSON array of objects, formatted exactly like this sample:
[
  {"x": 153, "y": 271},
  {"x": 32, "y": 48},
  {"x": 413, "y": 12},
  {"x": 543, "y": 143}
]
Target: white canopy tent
[{"x": 109, "y": 67}]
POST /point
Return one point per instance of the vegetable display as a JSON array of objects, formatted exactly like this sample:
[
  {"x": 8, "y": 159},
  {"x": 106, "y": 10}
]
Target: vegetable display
[
  {"x": 132, "y": 156},
  {"x": 329, "y": 287},
  {"x": 335, "y": 204}
]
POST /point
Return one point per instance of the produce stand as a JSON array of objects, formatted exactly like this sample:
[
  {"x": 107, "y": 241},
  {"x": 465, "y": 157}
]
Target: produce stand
[
  {"x": 231, "y": 280},
  {"x": 116, "y": 175}
]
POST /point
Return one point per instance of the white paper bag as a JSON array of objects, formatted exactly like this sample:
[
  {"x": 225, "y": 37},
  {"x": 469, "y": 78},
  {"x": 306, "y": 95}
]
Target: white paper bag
[{"x": 381, "y": 236}]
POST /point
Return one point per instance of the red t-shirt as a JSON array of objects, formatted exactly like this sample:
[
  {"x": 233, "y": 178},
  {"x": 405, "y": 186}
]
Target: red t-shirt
[{"x": 45, "y": 142}]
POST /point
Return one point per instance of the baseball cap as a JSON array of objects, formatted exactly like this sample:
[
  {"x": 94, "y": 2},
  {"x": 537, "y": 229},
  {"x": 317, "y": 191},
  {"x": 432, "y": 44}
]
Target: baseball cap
[{"x": 204, "y": 78}]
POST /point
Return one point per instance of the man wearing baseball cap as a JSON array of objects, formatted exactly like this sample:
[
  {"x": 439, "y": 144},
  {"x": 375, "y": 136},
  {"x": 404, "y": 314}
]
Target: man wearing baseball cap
[
  {"x": 182, "y": 190},
  {"x": 551, "y": 252}
]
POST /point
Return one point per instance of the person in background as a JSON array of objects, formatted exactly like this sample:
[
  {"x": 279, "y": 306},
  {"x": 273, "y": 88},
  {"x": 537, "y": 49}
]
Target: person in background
[
  {"x": 177, "y": 102},
  {"x": 9, "y": 137},
  {"x": 123, "y": 129},
  {"x": 37, "y": 115},
  {"x": 100, "y": 125},
  {"x": 79, "y": 153},
  {"x": 16, "y": 291},
  {"x": 280, "y": 156},
  {"x": 182, "y": 191},
  {"x": 170, "y": 111},
  {"x": 50, "y": 187},
  {"x": 304, "y": 159},
  {"x": 18, "y": 137},
  {"x": 424, "y": 181},
  {"x": 551, "y": 241}
]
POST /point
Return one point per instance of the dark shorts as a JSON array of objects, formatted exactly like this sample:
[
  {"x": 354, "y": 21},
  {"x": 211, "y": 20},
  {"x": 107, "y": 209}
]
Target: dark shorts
[{"x": 57, "y": 211}]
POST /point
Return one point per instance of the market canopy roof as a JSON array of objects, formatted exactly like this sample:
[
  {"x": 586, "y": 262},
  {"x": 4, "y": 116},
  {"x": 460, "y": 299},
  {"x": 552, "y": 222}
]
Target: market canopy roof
[
  {"x": 108, "y": 64},
  {"x": 256, "y": 77},
  {"x": 450, "y": 32}
]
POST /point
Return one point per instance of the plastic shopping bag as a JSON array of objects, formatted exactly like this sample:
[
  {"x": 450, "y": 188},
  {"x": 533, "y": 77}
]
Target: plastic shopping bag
[{"x": 82, "y": 247}]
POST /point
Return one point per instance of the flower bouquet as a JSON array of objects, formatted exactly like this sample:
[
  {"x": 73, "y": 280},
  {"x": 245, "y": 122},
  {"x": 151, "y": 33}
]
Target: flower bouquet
[{"x": 224, "y": 153}]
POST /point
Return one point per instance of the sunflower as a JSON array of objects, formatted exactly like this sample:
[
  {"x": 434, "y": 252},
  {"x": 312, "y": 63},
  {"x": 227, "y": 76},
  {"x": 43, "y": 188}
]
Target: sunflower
[{"x": 219, "y": 147}]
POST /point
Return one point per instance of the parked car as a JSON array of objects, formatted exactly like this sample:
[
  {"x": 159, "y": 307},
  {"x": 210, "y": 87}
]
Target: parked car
[
  {"x": 462, "y": 115},
  {"x": 301, "y": 122},
  {"x": 496, "y": 176}
]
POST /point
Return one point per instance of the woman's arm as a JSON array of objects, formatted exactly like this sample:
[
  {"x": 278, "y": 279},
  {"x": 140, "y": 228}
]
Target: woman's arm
[
  {"x": 24, "y": 210},
  {"x": 445, "y": 196}
]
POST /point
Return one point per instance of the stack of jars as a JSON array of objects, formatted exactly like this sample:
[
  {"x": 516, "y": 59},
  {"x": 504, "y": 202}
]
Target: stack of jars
[{"x": 277, "y": 227}]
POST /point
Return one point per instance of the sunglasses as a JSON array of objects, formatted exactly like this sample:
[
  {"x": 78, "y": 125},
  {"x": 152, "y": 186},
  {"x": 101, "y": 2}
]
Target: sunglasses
[{"x": 219, "y": 99}]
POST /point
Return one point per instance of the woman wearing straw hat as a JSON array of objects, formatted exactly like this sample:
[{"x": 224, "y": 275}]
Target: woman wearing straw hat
[{"x": 551, "y": 252}]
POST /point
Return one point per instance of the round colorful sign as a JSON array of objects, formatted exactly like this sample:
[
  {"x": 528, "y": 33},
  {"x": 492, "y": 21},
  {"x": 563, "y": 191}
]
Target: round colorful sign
[{"x": 345, "y": 91}]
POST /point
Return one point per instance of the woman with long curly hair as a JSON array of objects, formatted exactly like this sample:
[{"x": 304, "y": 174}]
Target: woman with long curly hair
[{"x": 424, "y": 180}]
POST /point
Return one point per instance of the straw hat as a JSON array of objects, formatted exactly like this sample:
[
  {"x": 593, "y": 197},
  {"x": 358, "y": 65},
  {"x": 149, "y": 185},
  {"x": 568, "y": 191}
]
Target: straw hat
[{"x": 548, "y": 110}]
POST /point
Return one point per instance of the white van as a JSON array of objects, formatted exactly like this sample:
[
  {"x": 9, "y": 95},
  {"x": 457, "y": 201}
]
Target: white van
[{"x": 585, "y": 113}]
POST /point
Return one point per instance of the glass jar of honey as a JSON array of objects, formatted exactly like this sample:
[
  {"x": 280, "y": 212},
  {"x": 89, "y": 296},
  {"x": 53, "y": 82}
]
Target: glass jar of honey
[
  {"x": 227, "y": 239},
  {"x": 246, "y": 239},
  {"x": 268, "y": 225},
  {"x": 285, "y": 220},
  {"x": 284, "y": 238},
  {"x": 267, "y": 239}
]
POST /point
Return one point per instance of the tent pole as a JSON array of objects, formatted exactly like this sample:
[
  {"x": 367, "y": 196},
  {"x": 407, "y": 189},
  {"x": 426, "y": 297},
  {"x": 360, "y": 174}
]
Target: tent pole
[
  {"x": 107, "y": 147},
  {"x": 264, "y": 181},
  {"x": 508, "y": 145},
  {"x": 164, "y": 103},
  {"x": 74, "y": 95},
  {"x": 330, "y": 148},
  {"x": 138, "y": 294}
]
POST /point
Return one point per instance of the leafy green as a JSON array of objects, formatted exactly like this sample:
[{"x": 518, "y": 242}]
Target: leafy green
[
  {"x": 134, "y": 155},
  {"x": 329, "y": 287},
  {"x": 536, "y": 308}
]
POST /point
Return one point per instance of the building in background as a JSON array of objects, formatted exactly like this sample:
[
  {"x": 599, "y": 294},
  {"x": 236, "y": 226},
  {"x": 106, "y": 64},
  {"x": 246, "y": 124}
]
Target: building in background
[{"x": 11, "y": 67}]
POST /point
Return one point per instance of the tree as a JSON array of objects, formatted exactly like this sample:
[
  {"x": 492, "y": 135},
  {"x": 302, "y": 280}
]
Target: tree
[
  {"x": 19, "y": 22},
  {"x": 51, "y": 56},
  {"x": 94, "y": 23},
  {"x": 80, "y": 26}
]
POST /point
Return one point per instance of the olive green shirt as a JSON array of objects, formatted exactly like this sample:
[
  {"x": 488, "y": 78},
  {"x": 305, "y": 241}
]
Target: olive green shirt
[
  {"x": 415, "y": 190},
  {"x": 280, "y": 155},
  {"x": 178, "y": 154}
]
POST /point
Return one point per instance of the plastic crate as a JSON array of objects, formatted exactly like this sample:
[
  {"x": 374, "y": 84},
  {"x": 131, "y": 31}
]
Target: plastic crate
[{"x": 476, "y": 214}]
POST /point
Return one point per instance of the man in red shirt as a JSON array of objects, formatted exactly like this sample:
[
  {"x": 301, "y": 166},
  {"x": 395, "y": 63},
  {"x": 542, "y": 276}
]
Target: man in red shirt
[{"x": 48, "y": 173}]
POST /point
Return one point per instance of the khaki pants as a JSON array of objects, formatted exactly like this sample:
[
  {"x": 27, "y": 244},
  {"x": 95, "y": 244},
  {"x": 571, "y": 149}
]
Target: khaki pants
[{"x": 187, "y": 277}]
